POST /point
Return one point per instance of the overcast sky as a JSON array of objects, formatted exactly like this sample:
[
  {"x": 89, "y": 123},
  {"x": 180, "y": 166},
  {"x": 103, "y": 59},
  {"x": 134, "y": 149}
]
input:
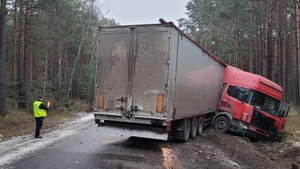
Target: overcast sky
[{"x": 128, "y": 12}]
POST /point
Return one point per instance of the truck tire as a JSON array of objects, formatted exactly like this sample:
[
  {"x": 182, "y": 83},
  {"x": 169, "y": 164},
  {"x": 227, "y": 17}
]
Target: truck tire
[
  {"x": 200, "y": 125},
  {"x": 194, "y": 125},
  {"x": 186, "y": 130},
  {"x": 221, "y": 123}
]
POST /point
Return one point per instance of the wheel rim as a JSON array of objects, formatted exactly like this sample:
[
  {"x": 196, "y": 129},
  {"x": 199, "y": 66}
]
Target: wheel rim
[
  {"x": 187, "y": 130},
  {"x": 193, "y": 128},
  {"x": 200, "y": 125},
  {"x": 221, "y": 125}
]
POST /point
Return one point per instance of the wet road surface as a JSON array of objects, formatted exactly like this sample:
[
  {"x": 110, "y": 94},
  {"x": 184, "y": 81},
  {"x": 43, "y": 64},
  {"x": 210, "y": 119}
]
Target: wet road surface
[{"x": 90, "y": 149}]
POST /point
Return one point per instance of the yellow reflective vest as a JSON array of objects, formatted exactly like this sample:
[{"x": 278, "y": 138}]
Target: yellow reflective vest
[{"x": 37, "y": 111}]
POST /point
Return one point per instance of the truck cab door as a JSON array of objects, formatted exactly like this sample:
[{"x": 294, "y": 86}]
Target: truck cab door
[
  {"x": 283, "y": 110},
  {"x": 233, "y": 101},
  {"x": 282, "y": 113}
]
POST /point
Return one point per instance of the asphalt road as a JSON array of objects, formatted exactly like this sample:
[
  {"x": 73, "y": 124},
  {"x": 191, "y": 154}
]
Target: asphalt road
[
  {"x": 85, "y": 148},
  {"x": 78, "y": 145}
]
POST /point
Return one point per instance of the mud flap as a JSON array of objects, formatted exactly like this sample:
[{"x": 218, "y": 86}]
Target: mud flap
[{"x": 179, "y": 132}]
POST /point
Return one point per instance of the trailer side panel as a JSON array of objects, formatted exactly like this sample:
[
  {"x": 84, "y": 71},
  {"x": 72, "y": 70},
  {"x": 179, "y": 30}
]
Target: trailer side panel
[{"x": 198, "y": 80}]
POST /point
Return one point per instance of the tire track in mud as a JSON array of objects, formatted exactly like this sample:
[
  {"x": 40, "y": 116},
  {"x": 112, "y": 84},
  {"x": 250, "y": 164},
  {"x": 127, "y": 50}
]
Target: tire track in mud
[{"x": 219, "y": 150}]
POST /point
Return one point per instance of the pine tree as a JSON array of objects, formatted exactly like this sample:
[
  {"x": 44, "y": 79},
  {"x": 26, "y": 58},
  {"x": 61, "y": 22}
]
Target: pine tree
[{"x": 2, "y": 56}]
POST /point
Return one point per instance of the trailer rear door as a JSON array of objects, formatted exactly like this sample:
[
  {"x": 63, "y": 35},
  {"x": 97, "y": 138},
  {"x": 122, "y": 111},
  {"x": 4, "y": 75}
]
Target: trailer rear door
[{"x": 132, "y": 70}]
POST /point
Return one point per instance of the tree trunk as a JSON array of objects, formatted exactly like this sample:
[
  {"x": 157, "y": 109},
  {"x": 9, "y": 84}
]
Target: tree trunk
[
  {"x": 251, "y": 40},
  {"x": 21, "y": 90},
  {"x": 26, "y": 35},
  {"x": 76, "y": 61},
  {"x": 46, "y": 69},
  {"x": 30, "y": 62},
  {"x": 59, "y": 52},
  {"x": 65, "y": 63},
  {"x": 268, "y": 48},
  {"x": 14, "y": 58},
  {"x": 259, "y": 39},
  {"x": 83, "y": 37},
  {"x": 2, "y": 57},
  {"x": 237, "y": 45},
  {"x": 298, "y": 49},
  {"x": 277, "y": 56},
  {"x": 46, "y": 61},
  {"x": 293, "y": 74},
  {"x": 284, "y": 69}
]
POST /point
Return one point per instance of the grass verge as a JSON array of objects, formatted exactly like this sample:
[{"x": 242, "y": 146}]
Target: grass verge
[{"x": 19, "y": 122}]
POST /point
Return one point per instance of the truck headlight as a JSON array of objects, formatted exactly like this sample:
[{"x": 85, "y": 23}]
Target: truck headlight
[{"x": 243, "y": 126}]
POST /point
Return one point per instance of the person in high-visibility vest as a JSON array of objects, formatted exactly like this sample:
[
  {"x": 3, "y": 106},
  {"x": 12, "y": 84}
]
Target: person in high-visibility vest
[{"x": 40, "y": 111}]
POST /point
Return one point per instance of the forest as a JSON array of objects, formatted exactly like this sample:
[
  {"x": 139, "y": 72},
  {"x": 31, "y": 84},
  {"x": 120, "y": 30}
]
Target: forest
[
  {"x": 259, "y": 36},
  {"x": 49, "y": 47}
]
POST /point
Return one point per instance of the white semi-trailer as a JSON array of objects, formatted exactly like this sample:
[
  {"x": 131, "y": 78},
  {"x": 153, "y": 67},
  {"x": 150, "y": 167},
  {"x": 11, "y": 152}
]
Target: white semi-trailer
[{"x": 153, "y": 81}]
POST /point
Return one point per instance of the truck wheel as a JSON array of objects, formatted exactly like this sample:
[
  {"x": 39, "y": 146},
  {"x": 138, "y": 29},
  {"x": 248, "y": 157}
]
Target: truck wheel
[
  {"x": 221, "y": 123},
  {"x": 186, "y": 130},
  {"x": 200, "y": 125},
  {"x": 193, "y": 132}
]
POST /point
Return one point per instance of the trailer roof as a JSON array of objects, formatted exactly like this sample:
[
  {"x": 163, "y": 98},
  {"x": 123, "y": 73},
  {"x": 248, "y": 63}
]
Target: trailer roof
[{"x": 162, "y": 21}]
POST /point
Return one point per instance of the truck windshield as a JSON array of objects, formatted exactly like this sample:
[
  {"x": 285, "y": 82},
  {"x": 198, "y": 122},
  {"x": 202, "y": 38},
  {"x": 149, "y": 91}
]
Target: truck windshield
[
  {"x": 257, "y": 99},
  {"x": 264, "y": 102}
]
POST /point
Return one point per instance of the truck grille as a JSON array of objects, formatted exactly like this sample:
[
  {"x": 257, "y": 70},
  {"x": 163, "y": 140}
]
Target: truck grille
[{"x": 263, "y": 122}]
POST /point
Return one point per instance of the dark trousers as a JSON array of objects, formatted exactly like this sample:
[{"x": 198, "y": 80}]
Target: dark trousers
[{"x": 39, "y": 124}]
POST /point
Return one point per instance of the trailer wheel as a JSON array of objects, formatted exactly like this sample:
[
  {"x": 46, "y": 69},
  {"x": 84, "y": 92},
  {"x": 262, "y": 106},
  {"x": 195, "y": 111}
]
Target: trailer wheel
[
  {"x": 200, "y": 126},
  {"x": 186, "y": 130},
  {"x": 193, "y": 132},
  {"x": 221, "y": 123}
]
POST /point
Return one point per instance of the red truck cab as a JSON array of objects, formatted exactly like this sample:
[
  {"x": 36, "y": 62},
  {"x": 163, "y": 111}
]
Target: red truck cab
[{"x": 250, "y": 104}]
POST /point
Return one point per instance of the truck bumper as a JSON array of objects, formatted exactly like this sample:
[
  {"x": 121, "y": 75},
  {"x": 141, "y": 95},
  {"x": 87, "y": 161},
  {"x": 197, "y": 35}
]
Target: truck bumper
[
  {"x": 247, "y": 129},
  {"x": 135, "y": 126},
  {"x": 239, "y": 127}
]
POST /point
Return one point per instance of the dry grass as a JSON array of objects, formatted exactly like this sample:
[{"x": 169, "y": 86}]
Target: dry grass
[
  {"x": 293, "y": 122},
  {"x": 18, "y": 122}
]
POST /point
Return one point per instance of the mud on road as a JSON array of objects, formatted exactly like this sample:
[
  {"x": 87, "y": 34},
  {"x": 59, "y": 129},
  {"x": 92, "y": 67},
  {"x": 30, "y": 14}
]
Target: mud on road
[{"x": 219, "y": 150}]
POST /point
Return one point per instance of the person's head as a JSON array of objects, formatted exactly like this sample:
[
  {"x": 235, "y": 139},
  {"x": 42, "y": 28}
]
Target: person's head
[{"x": 41, "y": 97}]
